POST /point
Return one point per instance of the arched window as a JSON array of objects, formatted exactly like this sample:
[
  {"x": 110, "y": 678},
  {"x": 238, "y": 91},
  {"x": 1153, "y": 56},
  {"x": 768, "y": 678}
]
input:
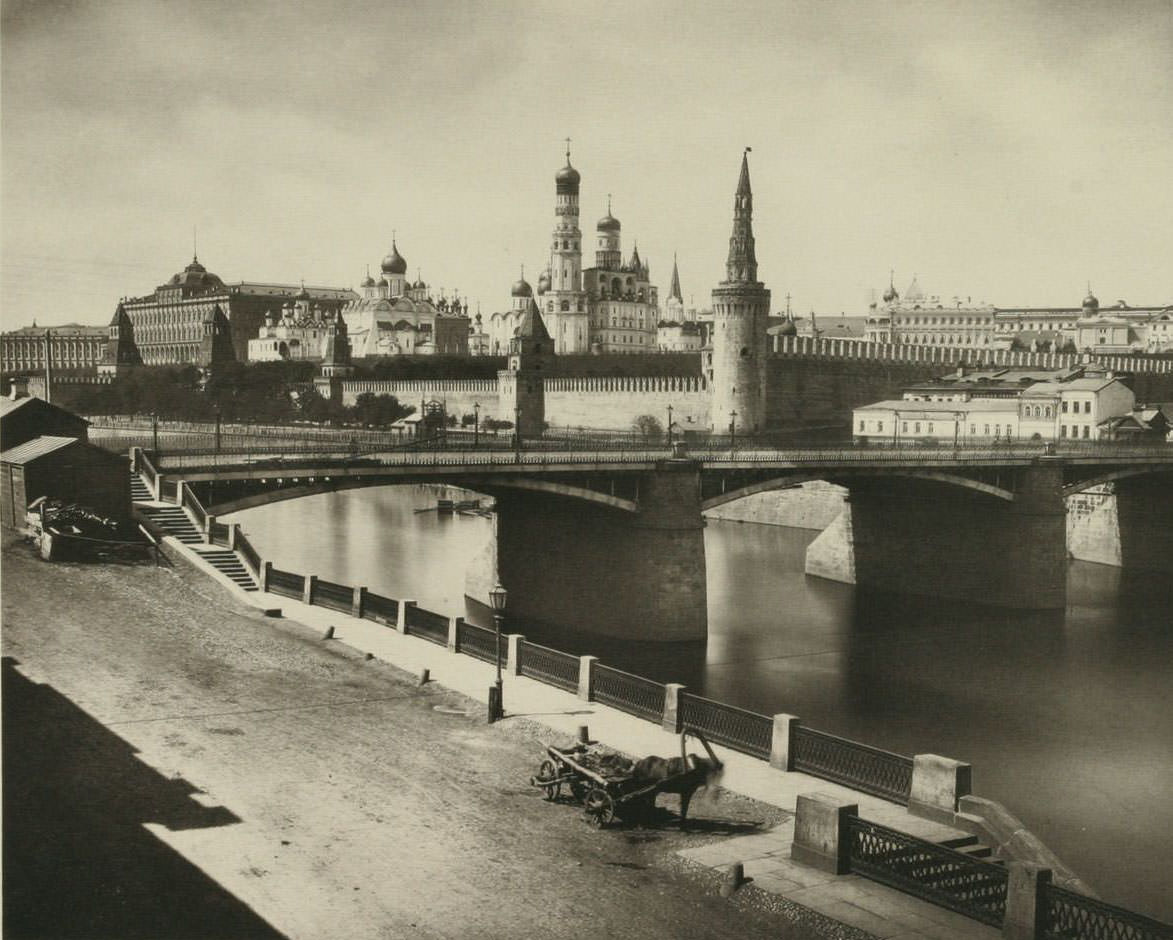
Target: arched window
[{"x": 565, "y": 305}]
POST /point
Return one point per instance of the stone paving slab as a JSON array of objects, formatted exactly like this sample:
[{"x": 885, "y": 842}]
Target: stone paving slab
[{"x": 883, "y": 911}]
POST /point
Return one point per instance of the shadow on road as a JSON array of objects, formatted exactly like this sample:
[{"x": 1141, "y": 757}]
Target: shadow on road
[{"x": 77, "y": 860}]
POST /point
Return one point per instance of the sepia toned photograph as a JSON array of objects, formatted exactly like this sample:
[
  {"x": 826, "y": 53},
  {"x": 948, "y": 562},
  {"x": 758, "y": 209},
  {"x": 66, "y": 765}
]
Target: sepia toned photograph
[{"x": 532, "y": 469}]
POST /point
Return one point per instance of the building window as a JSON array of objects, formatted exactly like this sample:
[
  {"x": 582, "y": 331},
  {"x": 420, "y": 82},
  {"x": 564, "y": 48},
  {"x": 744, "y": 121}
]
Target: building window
[
  {"x": 879, "y": 425},
  {"x": 904, "y": 426},
  {"x": 1064, "y": 407},
  {"x": 930, "y": 427},
  {"x": 1087, "y": 407},
  {"x": 973, "y": 429},
  {"x": 862, "y": 425},
  {"x": 1063, "y": 430},
  {"x": 917, "y": 429},
  {"x": 987, "y": 434}
]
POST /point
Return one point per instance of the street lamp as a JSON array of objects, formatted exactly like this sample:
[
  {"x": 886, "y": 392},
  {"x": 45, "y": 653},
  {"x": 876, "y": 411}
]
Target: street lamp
[
  {"x": 732, "y": 429},
  {"x": 155, "y": 434},
  {"x": 497, "y": 597},
  {"x": 476, "y": 425},
  {"x": 517, "y": 433},
  {"x": 669, "y": 427}
]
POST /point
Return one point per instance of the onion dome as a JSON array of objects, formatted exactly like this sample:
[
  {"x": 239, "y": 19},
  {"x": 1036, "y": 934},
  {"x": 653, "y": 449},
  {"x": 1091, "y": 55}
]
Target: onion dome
[
  {"x": 394, "y": 263},
  {"x": 521, "y": 288},
  {"x": 568, "y": 175},
  {"x": 1090, "y": 302},
  {"x": 195, "y": 267},
  {"x": 890, "y": 294},
  {"x": 544, "y": 282},
  {"x": 608, "y": 223},
  {"x": 788, "y": 328},
  {"x": 302, "y": 294}
]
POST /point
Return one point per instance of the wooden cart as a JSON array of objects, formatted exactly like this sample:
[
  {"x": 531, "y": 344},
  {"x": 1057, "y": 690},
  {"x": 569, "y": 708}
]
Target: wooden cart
[{"x": 606, "y": 785}]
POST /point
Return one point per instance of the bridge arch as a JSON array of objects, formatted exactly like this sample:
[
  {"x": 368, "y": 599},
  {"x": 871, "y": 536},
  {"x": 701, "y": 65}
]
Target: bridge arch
[
  {"x": 486, "y": 485},
  {"x": 1111, "y": 476},
  {"x": 837, "y": 476}
]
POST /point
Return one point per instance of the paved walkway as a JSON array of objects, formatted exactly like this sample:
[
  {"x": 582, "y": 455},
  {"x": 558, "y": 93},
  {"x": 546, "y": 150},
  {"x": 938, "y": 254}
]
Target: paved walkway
[{"x": 849, "y": 899}]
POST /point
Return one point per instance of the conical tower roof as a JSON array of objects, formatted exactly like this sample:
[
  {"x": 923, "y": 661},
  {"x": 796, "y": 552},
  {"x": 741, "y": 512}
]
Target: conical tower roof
[
  {"x": 674, "y": 290},
  {"x": 532, "y": 326}
]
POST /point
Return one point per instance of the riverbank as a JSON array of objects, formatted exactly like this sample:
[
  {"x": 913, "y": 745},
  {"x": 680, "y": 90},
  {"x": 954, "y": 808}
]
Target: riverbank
[{"x": 179, "y": 765}]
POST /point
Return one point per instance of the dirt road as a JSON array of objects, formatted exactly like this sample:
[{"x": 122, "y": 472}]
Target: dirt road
[{"x": 177, "y": 765}]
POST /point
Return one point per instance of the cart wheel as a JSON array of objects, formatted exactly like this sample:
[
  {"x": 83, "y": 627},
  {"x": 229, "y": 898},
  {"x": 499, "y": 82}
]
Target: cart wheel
[
  {"x": 548, "y": 771},
  {"x": 578, "y": 790},
  {"x": 599, "y": 807}
]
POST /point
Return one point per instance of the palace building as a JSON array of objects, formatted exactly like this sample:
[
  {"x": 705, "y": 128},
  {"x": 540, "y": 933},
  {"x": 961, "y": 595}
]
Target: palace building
[
  {"x": 169, "y": 323},
  {"x": 71, "y": 349}
]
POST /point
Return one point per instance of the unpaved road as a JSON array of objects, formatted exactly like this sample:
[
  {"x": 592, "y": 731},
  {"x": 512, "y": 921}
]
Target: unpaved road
[{"x": 176, "y": 765}]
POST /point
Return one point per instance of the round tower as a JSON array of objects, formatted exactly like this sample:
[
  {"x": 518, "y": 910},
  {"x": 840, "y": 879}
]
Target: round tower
[
  {"x": 607, "y": 250},
  {"x": 741, "y": 304}
]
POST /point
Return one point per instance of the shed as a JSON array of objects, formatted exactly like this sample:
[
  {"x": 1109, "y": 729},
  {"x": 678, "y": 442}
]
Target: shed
[
  {"x": 63, "y": 468},
  {"x": 23, "y": 419}
]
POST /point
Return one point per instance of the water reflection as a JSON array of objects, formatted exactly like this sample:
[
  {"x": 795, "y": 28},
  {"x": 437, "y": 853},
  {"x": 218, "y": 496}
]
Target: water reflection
[{"x": 1062, "y": 714}]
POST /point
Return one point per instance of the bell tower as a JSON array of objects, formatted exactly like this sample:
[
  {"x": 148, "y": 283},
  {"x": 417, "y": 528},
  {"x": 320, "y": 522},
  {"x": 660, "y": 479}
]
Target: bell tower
[
  {"x": 741, "y": 304},
  {"x": 565, "y": 300}
]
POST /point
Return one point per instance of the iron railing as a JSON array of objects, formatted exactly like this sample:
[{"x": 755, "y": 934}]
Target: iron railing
[
  {"x": 1069, "y": 914},
  {"x": 737, "y": 728},
  {"x": 633, "y": 694},
  {"x": 335, "y": 596},
  {"x": 250, "y": 554},
  {"x": 286, "y": 583},
  {"x": 550, "y": 666},
  {"x": 934, "y": 873},
  {"x": 478, "y": 642},
  {"x": 429, "y": 625},
  {"x": 859, "y": 766},
  {"x": 380, "y": 609}
]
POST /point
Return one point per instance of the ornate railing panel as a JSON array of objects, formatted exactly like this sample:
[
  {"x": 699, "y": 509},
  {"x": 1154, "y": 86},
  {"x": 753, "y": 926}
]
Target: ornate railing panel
[
  {"x": 549, "y": 666},
  {"x": 250, "y": 555},
  {"x": 737, "y": 728},
  {"x": 380, "y": 609},
  {"x": 859, "y": 766},
  {"x": 1069, "y": 914},
  {"x": 937, "y": 874},
  {"x": 479, "y": 642},
  {"x": 633, "y": 694},
  {"x": 429, "y": 625},
  {"x": 286, "y": 583},
  {"x": 335, "y": 596}
]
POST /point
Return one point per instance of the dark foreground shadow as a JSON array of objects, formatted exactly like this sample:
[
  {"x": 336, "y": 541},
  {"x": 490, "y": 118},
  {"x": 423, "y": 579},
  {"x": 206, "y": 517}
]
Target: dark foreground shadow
[{"x": 77, "y": 861}]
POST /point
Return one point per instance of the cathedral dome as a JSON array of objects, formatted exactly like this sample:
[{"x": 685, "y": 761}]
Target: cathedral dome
[
  {"x": 544, "y": 282},
  {"x": 521, "y": 288},
  {"x": 394, "y": 263},
  {"x": 368, "y": 281},
  {"x": 302, "y": 294},
  {"x": 890, "y": 294},
  {"x": 788, "y": 328},
  {"x": 608, "y": 223},
  {"x": 1090, "y": 302}
]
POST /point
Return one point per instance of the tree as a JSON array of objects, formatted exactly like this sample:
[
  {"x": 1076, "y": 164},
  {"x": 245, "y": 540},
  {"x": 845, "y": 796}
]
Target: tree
[
  {"x": 379, "y": 409},
  {"x": 649, "y": 427}
]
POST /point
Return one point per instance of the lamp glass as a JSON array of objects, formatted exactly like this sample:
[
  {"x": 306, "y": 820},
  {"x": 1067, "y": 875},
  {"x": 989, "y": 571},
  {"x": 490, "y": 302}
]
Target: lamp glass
[{"x": 498, "y": 596}]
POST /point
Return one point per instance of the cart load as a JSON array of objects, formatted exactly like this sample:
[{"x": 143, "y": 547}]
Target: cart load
[{"x": 609, "y": 785}]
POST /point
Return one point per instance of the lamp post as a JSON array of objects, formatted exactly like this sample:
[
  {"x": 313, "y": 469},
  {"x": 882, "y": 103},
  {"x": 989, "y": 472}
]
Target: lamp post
[
  {"x": 497, "y": 597},
  {"x": 155, "y": 434},
  {"x": 732, "y": 430},
  {"x": 669, "y": 427},
  {"x": 217, "y": 429},
  {"x": 517, "y": 433},
  {"x": 476, "y": 424}
]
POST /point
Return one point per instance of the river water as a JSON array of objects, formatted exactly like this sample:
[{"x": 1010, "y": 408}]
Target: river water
[{"x": 1066, "y": 717}]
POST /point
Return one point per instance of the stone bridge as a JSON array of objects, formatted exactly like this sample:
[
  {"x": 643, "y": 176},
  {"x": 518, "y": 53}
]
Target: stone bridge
[{"x": 611, "y": 539}]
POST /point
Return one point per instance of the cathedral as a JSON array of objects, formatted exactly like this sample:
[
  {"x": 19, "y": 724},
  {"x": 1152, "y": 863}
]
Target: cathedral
[
  {"x": 397, "y": 317},
  {"x": 611, "y": 307}
]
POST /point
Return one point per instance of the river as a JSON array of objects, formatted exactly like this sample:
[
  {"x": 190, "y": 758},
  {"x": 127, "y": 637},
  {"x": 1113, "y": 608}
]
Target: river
[{"x": 1064, "y": 716}]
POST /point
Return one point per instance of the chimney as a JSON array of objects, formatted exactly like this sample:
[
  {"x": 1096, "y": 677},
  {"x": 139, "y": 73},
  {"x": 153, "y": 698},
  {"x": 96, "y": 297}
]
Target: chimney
[{"x": 19, "y": 387}]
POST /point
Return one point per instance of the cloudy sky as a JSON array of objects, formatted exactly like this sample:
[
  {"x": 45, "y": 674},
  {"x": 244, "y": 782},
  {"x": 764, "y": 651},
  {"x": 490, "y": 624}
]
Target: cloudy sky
[{"x": 1004, "y": 151}]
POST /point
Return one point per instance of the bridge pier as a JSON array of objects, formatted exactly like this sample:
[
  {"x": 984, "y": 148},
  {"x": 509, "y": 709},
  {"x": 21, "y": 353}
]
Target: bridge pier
[
  {"x": 1129, "y": 527},
  {"x": 937, "y": 541},
  {"x": 631, "y": 575}
]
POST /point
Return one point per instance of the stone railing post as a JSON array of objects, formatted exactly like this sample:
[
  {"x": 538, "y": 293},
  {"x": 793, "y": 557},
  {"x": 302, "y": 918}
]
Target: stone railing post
[
  {"x": 233, "y": 530},
  {"x": 401, "y": 620},
  {"x": 266, "y": 567},
  {"x": 209, "y": 521},
  {"x": 513, "y": 663},
  {"x": 1026, "y": 908},
  {"x": 937, "y": 784},
  {"x": 672, "y": 718},
  {"x": 782, "y": 741},
  {"x": 585, "y": 665},
  {"x": 159, "y": 478},
  {"x": 821, "y": 838},
  {"x": 311, "y": 581},
  {"x": 454, "y": 634},
  {"x": 358, "y": 602}
]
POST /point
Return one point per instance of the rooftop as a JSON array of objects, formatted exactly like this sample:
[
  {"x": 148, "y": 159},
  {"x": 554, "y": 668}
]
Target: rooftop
[
  {"x": 36, "y": 448},
  {"x": 945, "y": 407}
]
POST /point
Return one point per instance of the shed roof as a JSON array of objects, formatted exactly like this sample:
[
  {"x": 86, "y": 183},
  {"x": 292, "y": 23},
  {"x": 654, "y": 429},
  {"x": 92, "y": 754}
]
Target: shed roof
[
  {"x": 8, "y": 406},
  {"x": 38, "y": 447}
]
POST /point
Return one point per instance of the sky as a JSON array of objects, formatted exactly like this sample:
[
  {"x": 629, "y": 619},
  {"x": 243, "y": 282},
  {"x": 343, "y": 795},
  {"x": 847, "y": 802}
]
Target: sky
[{"x": 1006, "y": 152}]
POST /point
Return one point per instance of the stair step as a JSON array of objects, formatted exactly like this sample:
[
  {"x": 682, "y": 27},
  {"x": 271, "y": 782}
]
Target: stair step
[{"x": 959, "y": 842}]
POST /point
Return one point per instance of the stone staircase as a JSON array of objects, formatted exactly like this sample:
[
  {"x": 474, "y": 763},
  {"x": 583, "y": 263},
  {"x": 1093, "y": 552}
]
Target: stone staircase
[
  {"x": 971, "y": 846},
  {"x": 229, "y": 564},
  {"x": 139, "y": 491},
  {"x": 173, "y": 521}
]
